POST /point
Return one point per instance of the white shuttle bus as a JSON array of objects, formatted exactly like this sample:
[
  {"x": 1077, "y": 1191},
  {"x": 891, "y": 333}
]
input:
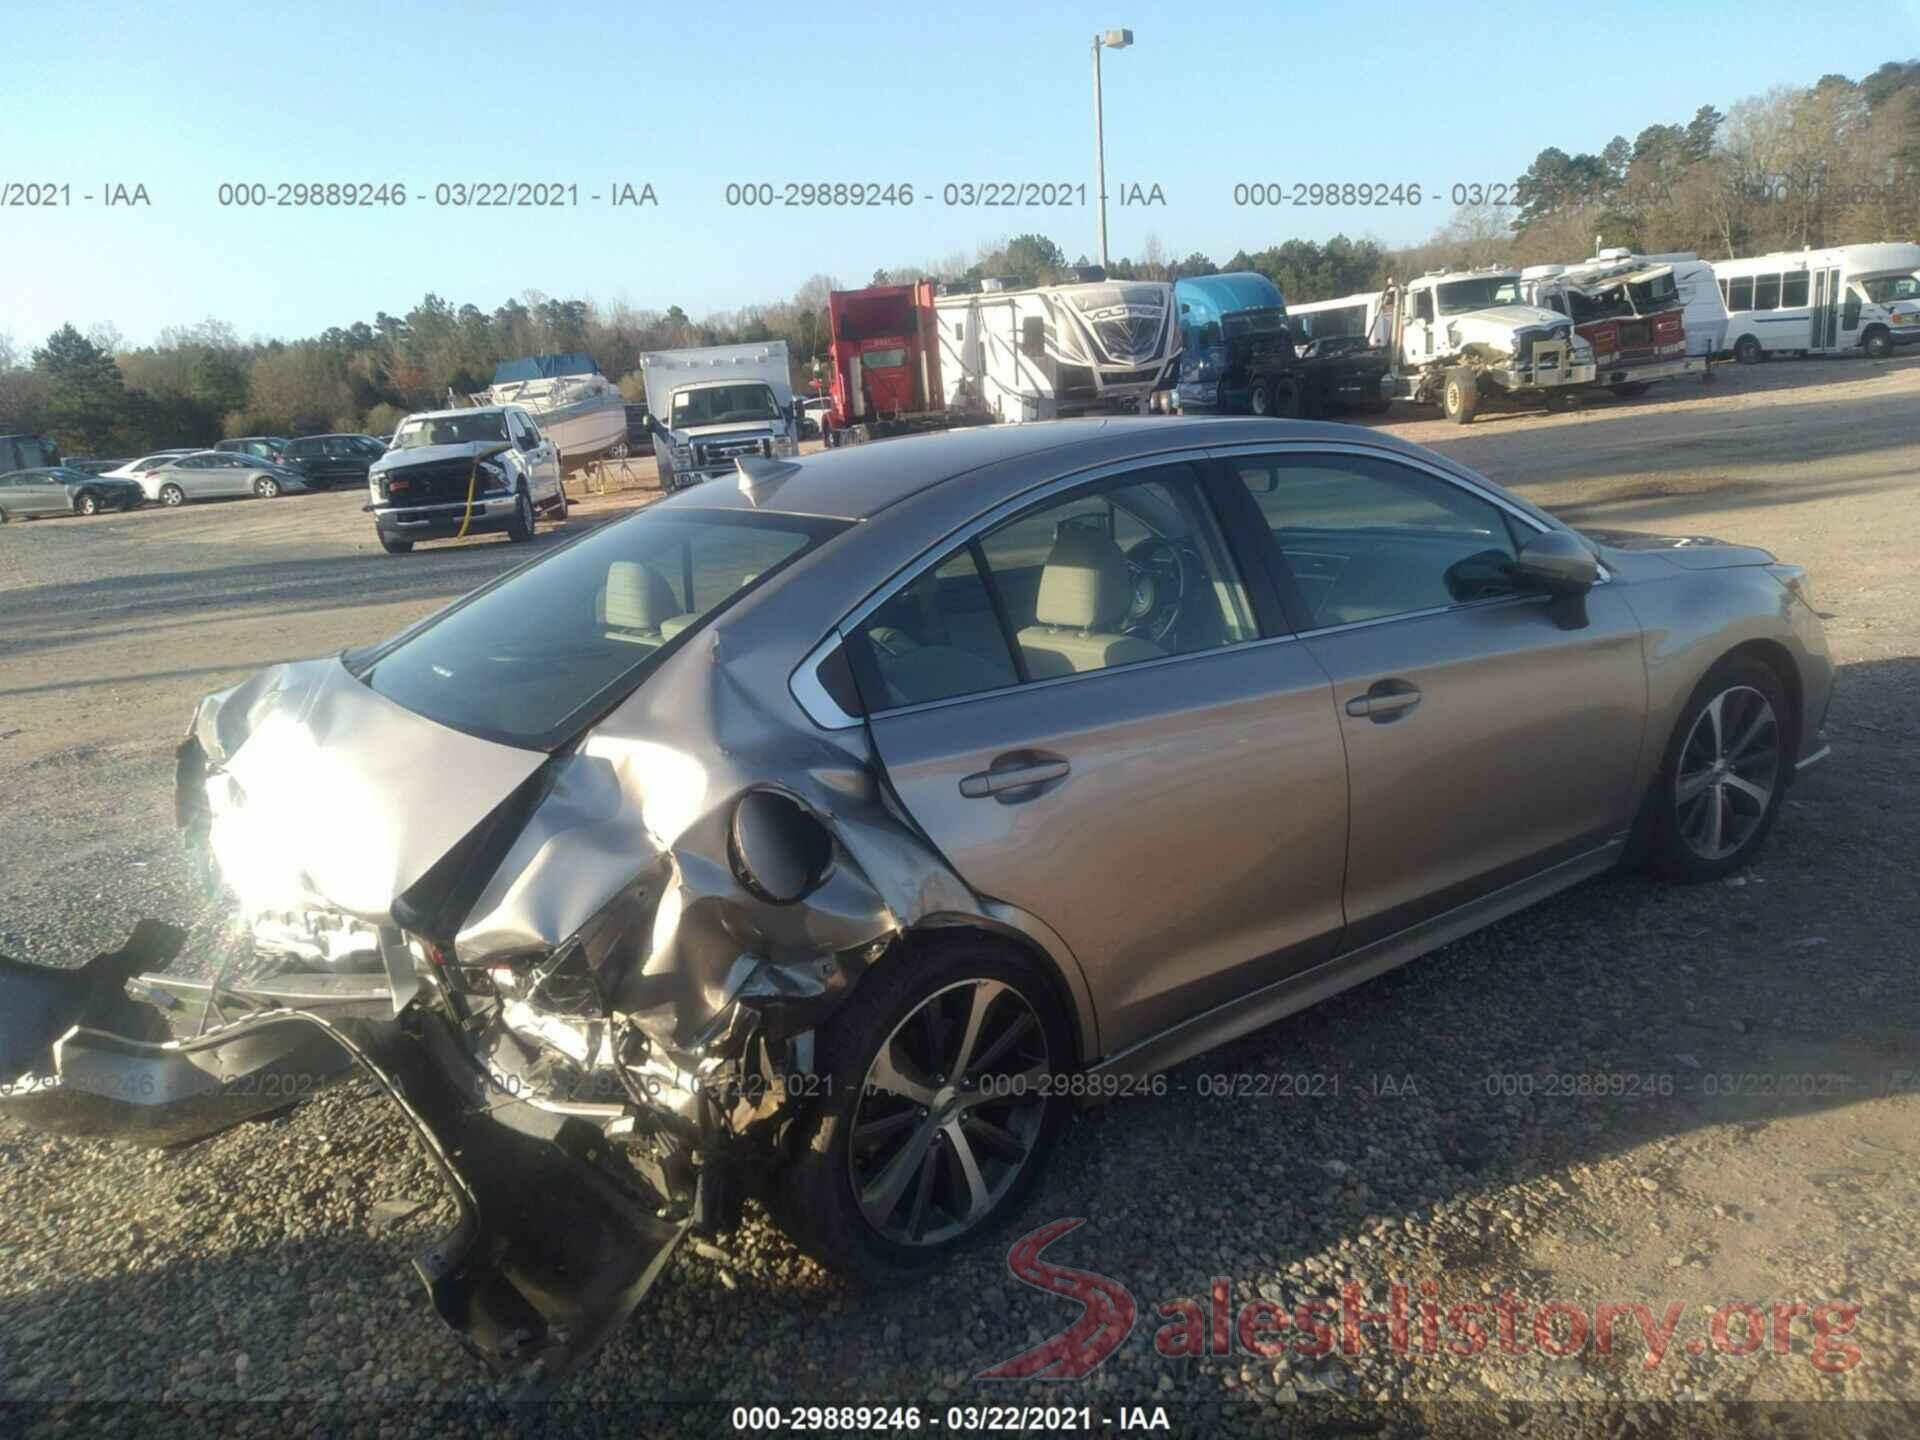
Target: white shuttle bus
[{"x": 1820, "y": 302}]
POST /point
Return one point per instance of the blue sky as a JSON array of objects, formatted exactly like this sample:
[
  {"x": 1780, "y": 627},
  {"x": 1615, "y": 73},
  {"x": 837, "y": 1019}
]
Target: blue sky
[{"x": 691, "y": 97}]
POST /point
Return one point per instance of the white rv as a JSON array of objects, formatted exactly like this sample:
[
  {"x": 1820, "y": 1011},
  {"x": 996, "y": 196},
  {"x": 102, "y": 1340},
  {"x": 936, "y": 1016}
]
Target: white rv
[
  {"x": 1849, "y": 297},
  {"x": 1049, "y": 351},
  {"x": 708, "y": 407}
]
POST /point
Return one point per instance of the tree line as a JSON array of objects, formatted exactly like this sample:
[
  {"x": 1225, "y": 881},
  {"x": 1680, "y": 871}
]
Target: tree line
[{"x": 1832, "y": 163}]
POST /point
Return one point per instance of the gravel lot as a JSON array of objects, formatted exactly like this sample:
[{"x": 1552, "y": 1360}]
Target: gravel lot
[{"x": 1747, "y": 1131}]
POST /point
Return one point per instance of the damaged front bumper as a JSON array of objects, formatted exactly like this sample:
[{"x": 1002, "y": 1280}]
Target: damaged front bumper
[{"x": 558, "y": 1238}]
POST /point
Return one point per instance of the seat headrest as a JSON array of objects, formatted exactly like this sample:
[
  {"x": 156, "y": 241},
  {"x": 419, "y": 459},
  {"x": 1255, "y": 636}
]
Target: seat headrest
[
  {"x": 1084, "y": 585},
  {"x": 638, "y": 597}
]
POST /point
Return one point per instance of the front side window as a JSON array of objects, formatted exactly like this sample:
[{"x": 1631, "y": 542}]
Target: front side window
[
  {"x": 1365, "y": 538},
  {"x": 1885, "y": 289},
  {"x": 1115, "y": 574},
  {"x": 529, "y": 659}
]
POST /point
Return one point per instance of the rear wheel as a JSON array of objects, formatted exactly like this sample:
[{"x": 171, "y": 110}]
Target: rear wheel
[
  {"x": 172, "y": 495},
  {"x": 395, "y": 547},
  {"x": 1460, "y": 395},
  {"x": 1748, "y": 352},
  {"x": 1724, "y": 774},
  {"x": 89, "y": 503},
  {"x": 942, "y": 1110},
  {"x": 1559, "y": 401},
  {"x": 558, "y": 510},
  {"x": 1632, "y": 389},
  {"x": 266, "y": 487}
]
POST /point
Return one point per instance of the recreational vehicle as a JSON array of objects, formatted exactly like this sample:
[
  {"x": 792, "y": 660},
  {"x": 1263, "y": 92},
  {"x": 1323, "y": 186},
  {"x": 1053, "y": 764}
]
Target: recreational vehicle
[
  {"x": 1820, "y": 302},
  {"x": 1043, "y": 352}
]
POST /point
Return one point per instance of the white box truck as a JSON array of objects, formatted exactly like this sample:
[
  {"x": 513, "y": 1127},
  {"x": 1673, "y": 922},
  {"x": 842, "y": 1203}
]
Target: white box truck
[{"x": 709, "y": 407}]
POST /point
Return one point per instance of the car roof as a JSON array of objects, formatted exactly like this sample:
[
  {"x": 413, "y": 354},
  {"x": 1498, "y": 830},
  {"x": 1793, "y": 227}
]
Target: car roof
[
  {"x": 857, "y": 482},
  {"x": 464, "y": 410}
]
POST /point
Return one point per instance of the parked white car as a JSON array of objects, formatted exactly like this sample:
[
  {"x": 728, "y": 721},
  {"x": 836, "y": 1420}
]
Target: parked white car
[
  {"x": 216, "y": 474},
  {"x": 454, "y": 473},
  {"x": 137, "y": 469}
]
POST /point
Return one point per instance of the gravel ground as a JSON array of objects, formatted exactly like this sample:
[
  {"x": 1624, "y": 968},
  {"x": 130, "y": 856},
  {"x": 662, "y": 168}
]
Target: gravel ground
[{"x": 1746, "y": 1128}]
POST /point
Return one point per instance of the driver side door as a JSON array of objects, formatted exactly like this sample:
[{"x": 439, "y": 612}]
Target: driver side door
[{"x": 1169, "y": 795}]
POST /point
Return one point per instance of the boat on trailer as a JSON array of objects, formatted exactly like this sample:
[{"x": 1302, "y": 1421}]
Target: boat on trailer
[{"x": 576, "y": 406}]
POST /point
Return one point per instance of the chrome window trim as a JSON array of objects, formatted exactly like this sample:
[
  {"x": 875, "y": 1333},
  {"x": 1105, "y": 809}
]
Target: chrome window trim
[
  {"x": 1412, "y": 462},
  {"x": 811, "y": 696}
]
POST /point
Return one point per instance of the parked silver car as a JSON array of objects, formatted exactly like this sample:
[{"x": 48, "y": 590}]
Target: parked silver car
[
  {"x": 824, "y": 835},
  {"x": 62, "y": 490},
  {"x": 217, "y": 474}
]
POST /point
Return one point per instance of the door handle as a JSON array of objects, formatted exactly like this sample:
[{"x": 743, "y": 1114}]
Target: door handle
[
  {"x": 1384, "y": 702},
  {"x": 984, "y": 783}
]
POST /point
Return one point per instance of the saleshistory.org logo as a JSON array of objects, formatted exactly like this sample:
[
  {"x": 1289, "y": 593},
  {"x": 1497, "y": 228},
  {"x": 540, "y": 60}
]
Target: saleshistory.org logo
[{"x": 1263, "y": 1328}]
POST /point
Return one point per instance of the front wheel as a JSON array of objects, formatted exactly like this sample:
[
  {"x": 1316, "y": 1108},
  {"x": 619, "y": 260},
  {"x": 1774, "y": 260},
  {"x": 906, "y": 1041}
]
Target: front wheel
[
  {"x": 1724, "y": 774},
  {"x": 89, "y": 503},
  {"x": 944, "y": 1103},
  {"x": 1260, "y": 399},
  {"x": 520, "y": 528},
  {"x": 1878, "y": 343},
  {"x": 1460, "y": 397}
]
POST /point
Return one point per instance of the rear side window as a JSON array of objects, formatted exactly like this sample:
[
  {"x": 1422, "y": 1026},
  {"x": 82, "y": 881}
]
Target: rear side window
[
  {"x": 1740, "y": 293},
  {"x": 1766, "y": 292},
  {"x": 530, "y": 659}
]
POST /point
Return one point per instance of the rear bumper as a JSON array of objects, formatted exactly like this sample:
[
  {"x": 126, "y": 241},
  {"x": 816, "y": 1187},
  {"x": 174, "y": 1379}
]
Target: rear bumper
[{"x": 558, "y": 1238}]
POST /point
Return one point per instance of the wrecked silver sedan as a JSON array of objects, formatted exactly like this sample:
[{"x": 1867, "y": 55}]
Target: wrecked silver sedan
[{"x": 820, "y": 836}]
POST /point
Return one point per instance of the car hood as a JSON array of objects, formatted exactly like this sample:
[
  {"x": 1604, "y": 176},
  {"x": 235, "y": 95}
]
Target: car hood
[
  {"x": 1689, "y": 552},
  {"x": 429, "y": 454},
  {"x": 326, "y": 795},
  {"x": 727, "y": 431},
  {"x": 1500, "y": 321}
]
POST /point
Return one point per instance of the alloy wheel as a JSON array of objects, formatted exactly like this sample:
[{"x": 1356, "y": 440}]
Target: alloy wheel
[
  {"x": 1729, "y": 768},
  {"x": 950, "y": 1112}
]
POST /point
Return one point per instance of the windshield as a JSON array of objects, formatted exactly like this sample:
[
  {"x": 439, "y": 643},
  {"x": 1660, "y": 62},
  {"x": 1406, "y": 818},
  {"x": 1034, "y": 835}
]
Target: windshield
[
  {"x": 884, "y": 359},
  {"x": 1457, "y": 297},
  {"x": 481, "y": 425},
  {"x": 530, "y": 659},
  {"x": 724, "y": 404},
  {"x": 1882, "y": 289}
]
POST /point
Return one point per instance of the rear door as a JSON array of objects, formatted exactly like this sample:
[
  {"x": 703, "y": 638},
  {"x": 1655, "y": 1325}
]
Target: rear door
[
  {"x": 1097, "y": 718},
  {"x": 1485, "y": 743}
]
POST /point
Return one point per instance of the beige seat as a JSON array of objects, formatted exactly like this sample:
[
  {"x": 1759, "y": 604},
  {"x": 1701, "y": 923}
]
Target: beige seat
[
  {"x": 1084, "y": 594},
  {"x": 637, "y": 604}
]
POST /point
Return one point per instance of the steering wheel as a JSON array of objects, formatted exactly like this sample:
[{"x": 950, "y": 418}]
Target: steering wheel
[{"x": 1159, "y": 575}]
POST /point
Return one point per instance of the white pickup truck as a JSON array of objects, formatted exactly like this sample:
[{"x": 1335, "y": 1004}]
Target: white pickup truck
[
  {"x": 453, "y": 473},
  {"x": 1462, "y": 337},
  {"x": 709, "y": 407}
]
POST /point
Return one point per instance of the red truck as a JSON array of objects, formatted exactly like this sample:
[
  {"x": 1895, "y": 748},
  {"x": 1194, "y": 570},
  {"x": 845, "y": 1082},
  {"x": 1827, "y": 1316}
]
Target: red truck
[{"x": 885, "y": 352}]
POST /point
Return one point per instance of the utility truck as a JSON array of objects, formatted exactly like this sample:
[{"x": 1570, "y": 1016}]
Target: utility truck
[
  {"x": 1461, "y": 338},
  {"x": 709, "y": 407}
]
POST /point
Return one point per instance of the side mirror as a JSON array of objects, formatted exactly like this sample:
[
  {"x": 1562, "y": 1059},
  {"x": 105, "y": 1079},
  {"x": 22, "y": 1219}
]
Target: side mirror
[{"x": 1561, "y": 566}]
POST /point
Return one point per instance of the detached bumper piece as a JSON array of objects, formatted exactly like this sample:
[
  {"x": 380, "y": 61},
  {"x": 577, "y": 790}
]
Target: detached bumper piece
[{"x": 559, "y": 1239}]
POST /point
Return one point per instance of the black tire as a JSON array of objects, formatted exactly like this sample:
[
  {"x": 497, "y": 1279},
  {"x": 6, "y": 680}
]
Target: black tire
[
  {"x": 393, "y": 546},
  {"x": 172, "y": 496},
  {"x": 88, "y": 503},
  {"x": 520, "y": 528},
  {"x": 1460, "y": 395},
  {"x": 1681, "y": 808},
  {"x": 1260, "y": 399},
  {"x": 1749, "y": 351},
  {"x": 266, "y": 487},
  {"x": 813, "y": 1199},
  {"x": 1878, "y": 343},
  {"x": 1631, "y": 389},
  {"x": 558, "y": 510},
  {"x": 1559, "y": 401},
  {"x": 1289, "y": 400}
]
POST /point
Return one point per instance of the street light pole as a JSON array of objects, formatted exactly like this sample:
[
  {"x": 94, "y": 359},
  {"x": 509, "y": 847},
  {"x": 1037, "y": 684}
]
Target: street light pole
[{"x": 1118, "y": 40}]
